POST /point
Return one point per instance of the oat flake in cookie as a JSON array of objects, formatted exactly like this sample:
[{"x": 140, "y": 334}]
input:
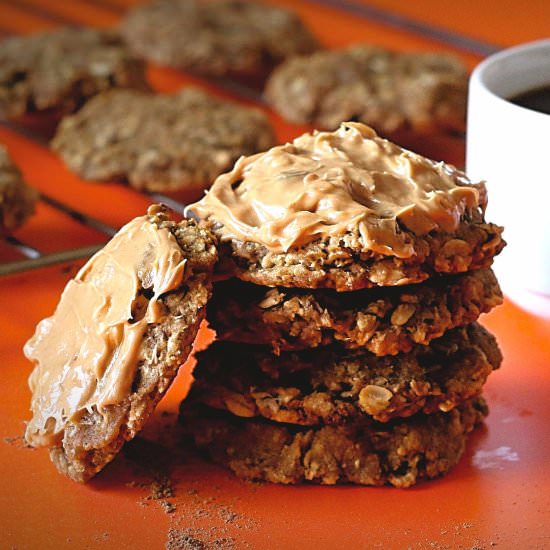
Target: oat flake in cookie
[
  {"x": 123, "y": 327},
  {"x": 418, "y": 92},
  {"x": 177, "y": 142},
  {"x": 347, "y": 210},
  {"x": 59, "y": 70},
  {"x": 17, "y": 199},
  {"x": 216, "y": 37}
]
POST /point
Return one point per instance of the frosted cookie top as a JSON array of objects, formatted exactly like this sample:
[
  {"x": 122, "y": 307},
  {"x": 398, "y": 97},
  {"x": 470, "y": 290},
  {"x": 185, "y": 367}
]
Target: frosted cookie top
[
  {"x": 328, "y": 184},
  {"x": 86, "y": 354}
]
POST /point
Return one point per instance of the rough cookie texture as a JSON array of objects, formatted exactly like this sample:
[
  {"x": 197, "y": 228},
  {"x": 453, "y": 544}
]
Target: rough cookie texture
[
  {"x": 343, "y": 264},
  {"x": 17, "y": 199},
  {"x": 89, "y": 441},
  {"x": 216, "y": 37},
  {"x": 60, "y": 70},
  {"x": 422, "y": 92},
  {"x": 160, "y": 142},
  {"x": 332, "y": 386},
  {"x": 346, "y": 210},
  {"x": 384, "y": 321},
  {"x": 400, "y": 453}
]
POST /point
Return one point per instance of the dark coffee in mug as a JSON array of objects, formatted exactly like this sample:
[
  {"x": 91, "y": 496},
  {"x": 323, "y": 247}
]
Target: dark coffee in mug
[{"x": 536, "y": 99}]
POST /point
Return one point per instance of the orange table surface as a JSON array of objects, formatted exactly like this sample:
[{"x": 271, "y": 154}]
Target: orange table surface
[{"x": 498, "y": 496}]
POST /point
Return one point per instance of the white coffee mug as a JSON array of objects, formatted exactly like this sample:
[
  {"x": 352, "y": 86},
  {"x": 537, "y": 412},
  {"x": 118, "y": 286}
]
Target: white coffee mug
[{"x": 508, "y": 146}]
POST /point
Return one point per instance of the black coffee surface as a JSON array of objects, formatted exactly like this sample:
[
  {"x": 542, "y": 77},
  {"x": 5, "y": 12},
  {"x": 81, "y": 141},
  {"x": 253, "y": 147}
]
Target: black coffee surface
[{"x": 537, "y": 99}]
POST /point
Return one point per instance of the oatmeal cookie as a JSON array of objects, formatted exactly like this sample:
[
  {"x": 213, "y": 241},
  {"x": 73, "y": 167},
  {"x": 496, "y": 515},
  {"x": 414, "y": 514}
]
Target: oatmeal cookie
[
  {"x": 399, "y": 453},
  {"x": 216, "y": 37},
  {"x": 121, "y": 330},
  {"x": 333, "y": 386},
  {"x": 420, "y": 92},
  {"x": 17, "y": 199},
  {"x": 160, "y": 142},
  {"x": 347, "y": 210},
  {"x": 59, "y": 70},
  {"x": 384, "y": 321}
]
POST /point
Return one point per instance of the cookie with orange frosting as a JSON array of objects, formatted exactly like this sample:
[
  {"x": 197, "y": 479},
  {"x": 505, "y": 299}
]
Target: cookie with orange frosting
[
  {"x": 123, "y": 327},
  {"x": 216, "y": 37},
  {"x": 333, "y": 386},
  {"x": 400, "y": 453},
  {"x": 346, "y": 210},
  {"x": 390, "y": 91},
  {"x": 384, "y": 321},
  {"x": 162, "y": 142}
]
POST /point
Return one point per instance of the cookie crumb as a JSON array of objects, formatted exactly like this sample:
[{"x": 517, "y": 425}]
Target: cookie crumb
[
  {"x": 227, "y": 515},
  {"x": 167, "y": 506}
]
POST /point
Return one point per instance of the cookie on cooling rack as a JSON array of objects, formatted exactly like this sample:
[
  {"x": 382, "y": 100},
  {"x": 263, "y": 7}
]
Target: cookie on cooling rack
[
  {"x": 17, "y": 199},
  {"x": 421, "y": 92},
  {"x": 216, "y": 37},
  {"x": 59, "y": 70},
  {"x": 161, "y": 142}
]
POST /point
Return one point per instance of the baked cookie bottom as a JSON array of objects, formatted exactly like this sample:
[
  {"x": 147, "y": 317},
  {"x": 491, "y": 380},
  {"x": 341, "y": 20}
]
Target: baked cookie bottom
[
  {"x": 93, "y": 440},
  {"x": 400, "y": 453},
  {"x": 176, "y": 142},
  {"x": 335, "y": 386},
  {"x": 384, "y": 321},
  {"x": 342, "y": 263},
  {"x": 17, "y": 199}
]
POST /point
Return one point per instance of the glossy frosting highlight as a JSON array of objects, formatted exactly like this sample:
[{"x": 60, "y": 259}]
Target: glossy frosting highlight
[{"x": 86, "y": 354}]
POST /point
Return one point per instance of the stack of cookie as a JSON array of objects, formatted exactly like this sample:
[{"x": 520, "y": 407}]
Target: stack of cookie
[{"x": 347, "y": 344}]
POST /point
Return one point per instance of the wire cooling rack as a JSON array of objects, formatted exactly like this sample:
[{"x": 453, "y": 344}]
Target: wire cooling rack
[{"x": 32, "y": 257}]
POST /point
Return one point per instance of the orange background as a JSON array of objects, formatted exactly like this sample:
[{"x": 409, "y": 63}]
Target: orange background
[{"x": 499, "y": 495}]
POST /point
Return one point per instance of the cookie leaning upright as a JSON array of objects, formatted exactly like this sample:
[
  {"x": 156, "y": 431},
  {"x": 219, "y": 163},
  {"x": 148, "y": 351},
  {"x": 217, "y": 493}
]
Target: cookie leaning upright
[
  {"x": 59, "y": 70},
  {"x": 121, "y": 330},
  {"x": 347, "y": 210}
]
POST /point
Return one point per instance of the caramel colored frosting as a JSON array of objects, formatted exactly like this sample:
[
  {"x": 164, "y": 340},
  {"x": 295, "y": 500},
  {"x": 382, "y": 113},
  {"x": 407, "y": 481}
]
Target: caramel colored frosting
[
  {"x": 86, "y": 353},
  {"x": 330, "y": 183}
]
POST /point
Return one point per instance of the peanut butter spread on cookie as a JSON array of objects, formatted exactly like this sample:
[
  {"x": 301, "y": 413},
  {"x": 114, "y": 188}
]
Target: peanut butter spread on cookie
[
  {"x": 86, "y": 353},
  {"x": 330, "y": 183}
]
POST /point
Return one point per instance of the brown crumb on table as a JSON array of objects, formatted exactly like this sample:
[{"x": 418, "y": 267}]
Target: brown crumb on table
[
  {"x": 161, "y": 488},
  {"x": 227, "y": 515},
  {"x": 197, "y": 539},
  {"x": 167, "y": 506}
]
